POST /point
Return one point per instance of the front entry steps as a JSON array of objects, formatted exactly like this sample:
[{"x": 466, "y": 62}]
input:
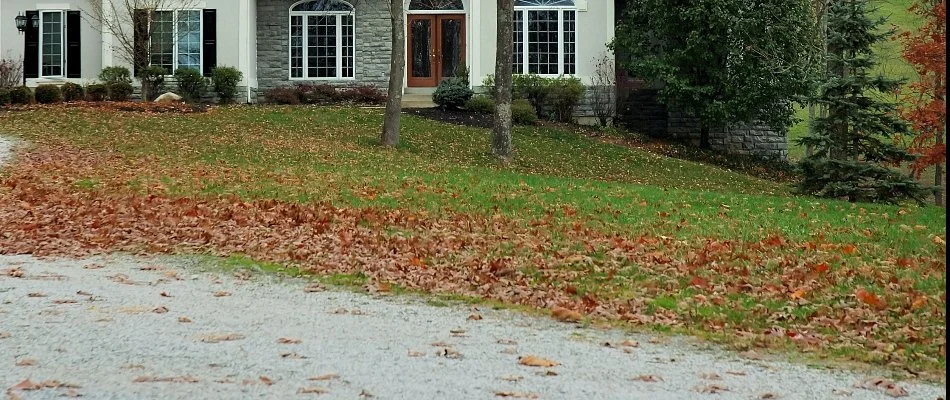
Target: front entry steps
[{"x": 417, "y": 100}]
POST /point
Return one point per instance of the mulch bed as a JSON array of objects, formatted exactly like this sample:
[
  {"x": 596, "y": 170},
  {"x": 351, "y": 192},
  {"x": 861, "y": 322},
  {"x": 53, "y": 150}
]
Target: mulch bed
[{"x": 457, "y": 117}]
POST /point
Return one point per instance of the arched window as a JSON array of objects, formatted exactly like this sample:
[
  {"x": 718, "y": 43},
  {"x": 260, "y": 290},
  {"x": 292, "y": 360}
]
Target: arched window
[
  {"x": 322, "y": 40},
  {"x": 436, "y": 5},
  {"x": 545, "y": 36}
]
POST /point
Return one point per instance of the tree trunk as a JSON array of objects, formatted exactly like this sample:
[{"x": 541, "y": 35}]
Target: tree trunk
[
  {"x": 501, "y": 142},
  {"x": 391, "y": 124},
  {"x": 704, "y": 137},
  {"x": 938, "y": 184}
]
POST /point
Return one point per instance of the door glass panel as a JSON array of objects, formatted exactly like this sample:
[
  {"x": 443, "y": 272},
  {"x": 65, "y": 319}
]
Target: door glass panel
[
  {"x": 451, "y": 47},
  {"x": 421, "y": 48}
]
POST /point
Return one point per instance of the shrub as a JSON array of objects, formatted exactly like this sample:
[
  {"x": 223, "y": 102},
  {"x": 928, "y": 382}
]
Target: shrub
[
  {"x": 73, "y": 92},
  {"x": 120, "y": 91},
  {"x": 115, "y": 75},
  {"x": 318, "y": 94},
  {"x": 564, "y": 95},
  {"x": 282, "y": 95},
  {"x": 153, "y": 81},
  {"x": 452, "y": 94},
  {"x": 97, "y": 92},
  {"x": 364, "y": 95},
  {"x": 534, "y": 88},
  {"x": 192, "y": 86},
  {"x": 225, "y": 81},
  {"x": 21, "y": 95},
  {"x": 523, "y": 113},
  {"x": 489, "y": 84},
  {"x": 11, "y": 73},
  {"x": 48, "y": 94},
  {"x": 4, "y": 97},
  {"x": 481, "y": 105}
]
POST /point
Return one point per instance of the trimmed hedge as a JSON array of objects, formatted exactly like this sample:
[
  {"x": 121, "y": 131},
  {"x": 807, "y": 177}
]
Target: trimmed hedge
[{"x": 48, "y": 94}]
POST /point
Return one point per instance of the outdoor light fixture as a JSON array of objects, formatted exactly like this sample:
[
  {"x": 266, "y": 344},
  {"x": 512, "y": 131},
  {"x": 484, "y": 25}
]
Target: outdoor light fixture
[{"x": 21, "y": 21}]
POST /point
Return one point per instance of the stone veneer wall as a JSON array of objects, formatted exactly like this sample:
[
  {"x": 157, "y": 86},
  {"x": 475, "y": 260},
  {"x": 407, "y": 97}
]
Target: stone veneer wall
[{"x": 273, "y": 45}]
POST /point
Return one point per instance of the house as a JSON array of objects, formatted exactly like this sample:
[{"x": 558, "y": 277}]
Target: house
[{"x": 284, "y": 42}]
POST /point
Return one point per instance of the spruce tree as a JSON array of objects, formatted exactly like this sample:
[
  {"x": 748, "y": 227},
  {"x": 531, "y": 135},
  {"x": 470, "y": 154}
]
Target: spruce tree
[{"x": 854, "y": 150}]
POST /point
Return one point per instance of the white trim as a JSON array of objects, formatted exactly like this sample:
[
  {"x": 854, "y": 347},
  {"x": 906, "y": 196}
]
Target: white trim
[
  {"x": 62, "y": 42},
  {"x": 53, "y": 6},
  {"x": 305, "y": 22},
  {"x": 525, "y": 54}
]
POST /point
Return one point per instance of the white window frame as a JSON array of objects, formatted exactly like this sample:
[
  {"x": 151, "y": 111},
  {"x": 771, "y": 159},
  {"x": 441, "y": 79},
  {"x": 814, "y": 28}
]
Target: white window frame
[
  {"x": 525, "y": 56},
  {"x": 62, "y": 44},
  {"x": 306, "y": 42},
  {"x": 201, "y": 38}
]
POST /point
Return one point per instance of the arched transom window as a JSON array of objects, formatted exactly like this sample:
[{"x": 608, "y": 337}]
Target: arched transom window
[
  {"x": 436, "y": 5},
  {"x": 545, "y": 36},
  {"x": 322, "y": 40}
]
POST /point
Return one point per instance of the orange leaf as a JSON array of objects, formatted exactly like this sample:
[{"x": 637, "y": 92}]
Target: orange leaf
[
  {"x": 870, "y": 299},
  {"x": 532, "y": 361},
  {"x": 849, "y": 249},
  {"x": 798, "y": 294}
]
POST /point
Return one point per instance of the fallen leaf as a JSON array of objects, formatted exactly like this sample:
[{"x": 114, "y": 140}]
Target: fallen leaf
[
  {"x": 532, "y": 361},
  {"x": 65, "y": 301},
  {"x": 711, "y": 388},
  {"x": 164, "y": 294},
  {"x": 841, "y": 392},
  {"x": 160, "y": 310},
  {"x": 507, "y": 342},
  {"x": 122, "y": 278},
  {"x": 566, "y": 315},
  {"x": 292, "y": 356},
  {"x": 512, "y": 378},
  {"x": 83, "y": 293},
  {"x": 72, "y": 393},
  {"x": 26, "y": 362},
  {"x": 16, "y": 272},
  {"x": 475, "y": 317},
  {"x": 630, "y": 343},
  {"x": 885, "y": 385},
  {"x": 517, "y": 395},
  {"x": 413, "y": 353},
  {"x": 549, "y": 372},
  {"x": 93, "y": 266},
  {"x": 4, "y": 335},
  {"x": 222, "y": 294},
  {"x": 314, "y": 288},
  {"x": 266, "y": 380},
  {"x": 221, "y": 337},
  {"x": 325, "y": 377},
  {"x": 287, "y": 340},
  {"x": 648, "y": 378},
  {"x": 36, "y": 294},
  {"x": 167, "y": 379},
  {"x": 441, "y": 344},
  {"x": 26, "y": 384},
  {"x": 769, "y": 395},
  {"x": 366, "y": 394},
  {"x": 313, "y": 390},
  {"x": 870, "y": 299},
  {"x": 449, "y": 352},
  {"x": 184, "y": 320},
  {"x": 151, "y": 268},
  {"x": 736, "y": 373}
]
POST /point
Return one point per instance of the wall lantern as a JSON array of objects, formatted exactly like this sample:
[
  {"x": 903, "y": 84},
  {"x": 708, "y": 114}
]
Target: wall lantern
[{"x": 21, "y": 21}]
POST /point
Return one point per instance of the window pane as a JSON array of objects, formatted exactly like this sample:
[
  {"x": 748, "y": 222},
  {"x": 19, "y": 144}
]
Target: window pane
[
  {"x": 542, "y": 42},
  {"x": 518, "y": 51},
  {"x": 544, "y": 3},
  {"x": 162, "y": 43},
  {"x": 296, "y": 46},
  {"x": 189, "y": 39},
  {"x": 349, "y": 48},
  {"x": 321, "y": 46},
  {"x": 52, "y": 51},
  {"x": 570, "y": 40}
]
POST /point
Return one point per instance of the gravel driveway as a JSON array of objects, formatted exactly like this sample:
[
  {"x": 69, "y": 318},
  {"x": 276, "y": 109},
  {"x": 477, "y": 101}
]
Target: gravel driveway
[{"x": 121, "y": 327}]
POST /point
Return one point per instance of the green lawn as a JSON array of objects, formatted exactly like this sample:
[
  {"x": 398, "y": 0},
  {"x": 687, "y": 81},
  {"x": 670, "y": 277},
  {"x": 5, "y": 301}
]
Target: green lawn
[{"x": 675, "y": 245}]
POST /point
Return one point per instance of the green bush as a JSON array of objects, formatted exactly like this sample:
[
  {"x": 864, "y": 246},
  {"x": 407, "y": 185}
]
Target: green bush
[
  {"x": 97, "y": 92},
  {"x": 115, "y": 75},
  {"x": 481, "y": 105},
  {"x": 452, "y": 94},
  {"x": 489, "y": 84},
  {"x": 564, "y": 94},
  {"x": 533, "y": 88},
  {"x": 192, "y": 86},
  {"x": 48, "y": 94},
  {"x": 73, "y": 92},
  {"x": 4, "y": 97},
  {"x": 120, "y": 91},
  {"x": 21, "y": 95},
  {"x": 523, "y": 113},
  {"x": 225, "y": 81},
  {"x": 153, "y": 81}
]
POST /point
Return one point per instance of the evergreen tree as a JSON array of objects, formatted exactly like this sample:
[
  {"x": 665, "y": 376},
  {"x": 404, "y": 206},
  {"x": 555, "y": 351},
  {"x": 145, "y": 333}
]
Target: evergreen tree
[{"x": 853, "y": 144}]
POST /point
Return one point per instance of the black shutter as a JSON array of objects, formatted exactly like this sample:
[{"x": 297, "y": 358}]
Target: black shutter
[
  {"x": 31, "y": 53},
  {"x": 209, "y": 41},
  {"x": 73, "y": 48},
  {"x": 139, "y": 40}
]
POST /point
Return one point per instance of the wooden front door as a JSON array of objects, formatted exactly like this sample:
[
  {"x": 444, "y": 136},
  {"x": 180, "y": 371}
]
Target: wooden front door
[{"x": 436, "y": 48}]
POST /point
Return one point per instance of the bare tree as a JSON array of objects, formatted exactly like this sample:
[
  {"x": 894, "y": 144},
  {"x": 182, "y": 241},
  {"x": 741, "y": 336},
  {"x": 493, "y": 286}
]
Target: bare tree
[
  {"x": 11, "y": 72},
  {"x": 602, "y": 89},
  {"x": 501, "y": 142},
  {"x": 391, "y": 124}
]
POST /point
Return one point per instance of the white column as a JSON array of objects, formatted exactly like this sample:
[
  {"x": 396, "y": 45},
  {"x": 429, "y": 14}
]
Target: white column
[
  {"x": 108, "y": 39},
  {"x": 474, "y": 44},
  {"x": 244, "y": 39}
]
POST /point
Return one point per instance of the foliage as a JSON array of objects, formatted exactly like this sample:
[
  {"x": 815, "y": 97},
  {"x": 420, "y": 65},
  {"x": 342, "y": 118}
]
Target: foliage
[
  {"x": 533, "y": 88},
  {"x": 522, "y": 112},
  {"x": 48, "y": 94},
  {"x": 120, "y": 91},
  {"x": 852, "y": 150},
  {"x": 481, "y": 105},
  {"x": 73, "y": 92},
  {"x": 723, "y": 61},
  {"x": 11, "y": 73},
  {"x": 282, "y": 95},
  {"x": 489, "y": 85},
  {"x": 368, "y": 94},
  {"x": 192, "y": 85},
  {"x": 608, "y": 231},
  {"x": 4, "y": 97},
  {"x": 21, "y": 95},
  {"x": 924, "y": 100},
  {"x": 97, "y": 92},
  {"x": 225, "y": 81},
  {"x": 153, "y": 81},
  {"x": 115, "y": 74},
  {"x": 602, "y": 86},
  {"x": 463, "y": 73},
  {"x": 564, "y": 94},
  {"x": 318, "y": 94},
  {"x": 452, "y": 94}
]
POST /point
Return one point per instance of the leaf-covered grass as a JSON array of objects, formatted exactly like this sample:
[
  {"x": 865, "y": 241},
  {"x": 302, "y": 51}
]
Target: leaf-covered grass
[{"x": 613, "y": 231}]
